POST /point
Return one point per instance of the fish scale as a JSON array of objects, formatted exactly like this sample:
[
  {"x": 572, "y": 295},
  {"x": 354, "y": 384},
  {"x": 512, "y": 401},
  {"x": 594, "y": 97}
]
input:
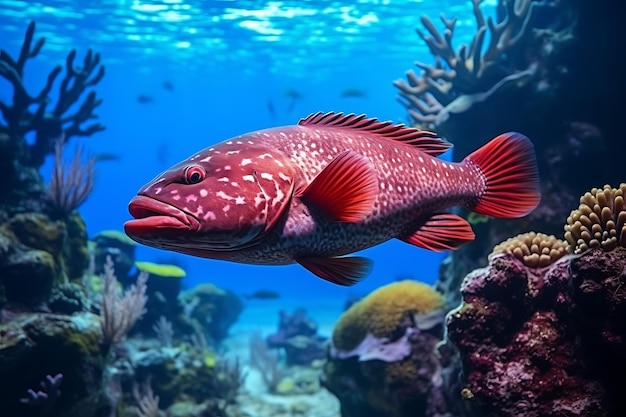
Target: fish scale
[{"x": 330, "y": 186}]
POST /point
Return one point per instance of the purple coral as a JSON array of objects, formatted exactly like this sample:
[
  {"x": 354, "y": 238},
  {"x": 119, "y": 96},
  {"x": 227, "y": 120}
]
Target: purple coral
[
  {"x": 542, "y": 342},
  {"x": 47, "y": 396},
  {"x": 297, "y": 335}
]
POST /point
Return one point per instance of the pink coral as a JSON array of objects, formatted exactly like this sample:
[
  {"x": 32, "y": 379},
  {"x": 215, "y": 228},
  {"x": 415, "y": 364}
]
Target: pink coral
[{"x": 538, "y": 342}]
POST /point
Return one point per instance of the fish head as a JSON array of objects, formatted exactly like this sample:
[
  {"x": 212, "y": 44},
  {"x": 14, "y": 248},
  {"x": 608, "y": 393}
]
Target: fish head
[{"x": 221, "y": 199}]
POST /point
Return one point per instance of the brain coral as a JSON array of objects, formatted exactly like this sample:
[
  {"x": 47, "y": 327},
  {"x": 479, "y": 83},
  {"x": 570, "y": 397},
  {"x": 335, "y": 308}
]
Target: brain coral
[
  {"x": 535, "y": 250},
  {"x": 599, "y": 221},
  {"x": 381, "y": 311}
]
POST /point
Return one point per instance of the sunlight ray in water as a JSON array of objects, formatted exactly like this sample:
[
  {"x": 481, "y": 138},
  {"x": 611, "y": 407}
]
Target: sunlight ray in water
[{"x": 191, "y": 31}]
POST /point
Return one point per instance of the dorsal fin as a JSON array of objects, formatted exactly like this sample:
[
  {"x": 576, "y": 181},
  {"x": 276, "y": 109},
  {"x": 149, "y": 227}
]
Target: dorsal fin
[{"x": 426, "y": 141}]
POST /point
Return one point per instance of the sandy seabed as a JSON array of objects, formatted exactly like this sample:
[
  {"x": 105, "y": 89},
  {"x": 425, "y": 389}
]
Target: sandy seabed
[{"x": 262, "y": 316}]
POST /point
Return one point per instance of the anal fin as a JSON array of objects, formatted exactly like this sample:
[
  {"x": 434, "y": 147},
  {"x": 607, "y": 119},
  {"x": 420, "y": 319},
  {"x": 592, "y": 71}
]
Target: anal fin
[
  {"x": 443, "y": 231},
  {"x": 347, "y": 270},
  {"x": 346, "y": 189}
]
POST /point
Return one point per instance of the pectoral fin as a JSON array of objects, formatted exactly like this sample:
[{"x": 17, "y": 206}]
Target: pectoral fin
[
  {"x": 346, "y": 189},
  {"x": 443, "y": 231},
  {"x": 345, "y": 271}
]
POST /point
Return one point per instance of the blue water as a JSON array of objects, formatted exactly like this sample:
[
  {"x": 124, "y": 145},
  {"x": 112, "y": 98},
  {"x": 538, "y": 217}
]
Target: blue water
[{"x": 226, "y": 60}]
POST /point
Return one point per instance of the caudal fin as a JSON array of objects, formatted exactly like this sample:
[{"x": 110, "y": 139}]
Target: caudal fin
[{"x": 511, "y": 176}]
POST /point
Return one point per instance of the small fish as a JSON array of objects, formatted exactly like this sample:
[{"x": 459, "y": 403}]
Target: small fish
[
  {"x": 292, "y": 93},
  {"x": 327, "y": 187},
  {"x": 353, "y": 93},
  {"x": 263, "y": 295},
  {"x": 106, "y": 157},
  {"x": 293, "y": 96},
  {"x": 271, "y": 109},
  {"x": 144, "y": 98},
  {"x": 168, "y": 85}
]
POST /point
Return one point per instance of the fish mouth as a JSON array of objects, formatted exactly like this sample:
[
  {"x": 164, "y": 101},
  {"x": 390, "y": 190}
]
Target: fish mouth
[{"x": 152, "y": 216}]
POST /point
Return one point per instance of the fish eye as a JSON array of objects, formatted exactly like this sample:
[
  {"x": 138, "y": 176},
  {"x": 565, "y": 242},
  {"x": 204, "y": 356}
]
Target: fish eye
[{"x": 194, "y": 174}]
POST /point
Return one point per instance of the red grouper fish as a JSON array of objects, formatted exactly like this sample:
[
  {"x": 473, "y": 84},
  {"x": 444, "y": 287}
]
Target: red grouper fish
[{"x": 332, "y": 185}]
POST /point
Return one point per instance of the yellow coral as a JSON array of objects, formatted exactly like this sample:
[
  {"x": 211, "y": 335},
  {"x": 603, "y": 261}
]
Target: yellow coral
[
  {"x": 117, "y": 235},
  {"x": 381, "y": 311},
  {"x": 161, "y": 270},
  {"x": 599, "y": 221},
  {"x": 535, "y": 250}
]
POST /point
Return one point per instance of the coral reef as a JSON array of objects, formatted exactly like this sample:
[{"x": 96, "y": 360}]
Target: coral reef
[
  {"x": 382, "y": 358},
  {"x": 21, "y": 185},
  {"x": 599, "y": 221},
  {"x": 33, "y": 345},
  {"x": 43, "y": 241},
  {"x": 524, "y": 65},
  {"x": 544, "y": 341},
  {"x": 535, "y": 250},
  {"x": 297, "y": 336},
  {"x": 547, "y": 338},
  {"x": 213, "y": 308}
]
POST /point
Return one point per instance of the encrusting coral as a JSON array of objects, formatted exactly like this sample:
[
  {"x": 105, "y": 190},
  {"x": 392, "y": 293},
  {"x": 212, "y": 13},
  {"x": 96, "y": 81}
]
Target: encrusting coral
[
  {"x": 535, "y": 250},
  {"x": 599, "y": 221},
  {"x": 381, "y": 312},
  {"x": 548, "y": 341},
  {"x": 381, "y": 361}
]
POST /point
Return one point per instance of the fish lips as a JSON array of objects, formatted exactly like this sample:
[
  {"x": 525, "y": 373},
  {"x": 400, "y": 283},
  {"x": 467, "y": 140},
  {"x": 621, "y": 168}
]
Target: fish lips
[{"x": 156, "y": 218}]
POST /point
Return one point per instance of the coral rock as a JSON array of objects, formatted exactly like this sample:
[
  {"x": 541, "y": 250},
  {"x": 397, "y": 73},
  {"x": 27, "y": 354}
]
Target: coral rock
[{"x": 544, "y": 342}]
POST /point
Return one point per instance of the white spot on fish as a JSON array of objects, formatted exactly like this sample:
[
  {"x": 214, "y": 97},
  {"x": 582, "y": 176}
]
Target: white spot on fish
[
  {"x": 209, "y": 215},
  {"x": 223, "y": 195},
  {"x": 382, "y": 185},
  {"x": 226, "y": 208},
  {"x": 176, "y": 197},
  {"x": 250, "y": 142},
  {"x": 267, "y": 176},
  {"x": 240, "y": 200},
  {"x": 238, "y": 142},
  {"x": 265, "y": 155},
  {"x": 224, "y": 179},
  {"x": 248, "y": 178},
  {"x": 230, "y": 142},
  {"x": 443, "y": 164},
  {"x": 227, "y": 168},
  {"x": 191, "y": 197},
  {"x": 267, "y": 135},
  {"x": 174, "y": 192},
  {"x": 258, "y": 200},
  {"x": 280, "y": 164},
  {"x": 461, "y": 168},
  {"x": 434, "y": 162},
  {"x": 423, "y": 170},
  {"x": 283, "y": 176},
  {"x": 234, "y": 184},
  {"x": 203, "y": 193},
  {"x": 207, "y": 159},
  {"x": 279, "y": 196},
  {"x": 313, "y": 145},
  {"x": 420, "y": 159},
  {"x": 232, "y": 152},
  {"x": 158, "y": 190},
  {"x": 452, "y": 167},
  {"x": 245, "y": 162}
]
